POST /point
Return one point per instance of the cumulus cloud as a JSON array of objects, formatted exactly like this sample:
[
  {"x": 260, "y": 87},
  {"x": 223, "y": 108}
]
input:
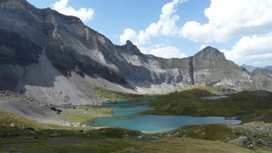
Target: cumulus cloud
[
  {"x": 255, "y": 49},
  {"x": 165, "y": 26},
  {"x": 85, "y": 14},
  {"x": 164, "y": 51},
  {"x": 139, "y": 39},
  {"x": 231, "y": 18},
  {"x": 251, "y": 21}
]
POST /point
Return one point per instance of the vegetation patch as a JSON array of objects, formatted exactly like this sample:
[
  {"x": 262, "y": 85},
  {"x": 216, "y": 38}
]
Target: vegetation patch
[
  {"x": 213, "y": 132},
  {"x": 113, "y": 96},
  {"x": 246, "y": 106},
  {"x": 188, "y": 145},
  {"x": 83, "y": 114}
]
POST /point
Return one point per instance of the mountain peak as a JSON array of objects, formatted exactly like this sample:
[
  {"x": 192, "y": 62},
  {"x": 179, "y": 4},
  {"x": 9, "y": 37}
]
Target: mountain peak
[
  {"x": 15, "y": 3},
  {"x": 128, "y": 42},
  {"x": 210, "y": 49},
  {"x": 129, "y": 47},
  {"x": 210, "y": 53}
]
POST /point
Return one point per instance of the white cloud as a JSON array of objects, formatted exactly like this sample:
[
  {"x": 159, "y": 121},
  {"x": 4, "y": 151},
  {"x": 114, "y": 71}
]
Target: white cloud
[
  {"x": 166, "y": 26},
  {"x": 231, "y": 18},
  {"x": 255, "y": 49},
  {"x": 85, "y": 14},
  {"x": 138, "y": 39},
  {"x": 164, "y": 51}
]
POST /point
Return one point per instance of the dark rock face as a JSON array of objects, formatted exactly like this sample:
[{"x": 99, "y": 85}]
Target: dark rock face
[
  {"x": 8, "y": 81},
  {"x": 27, "y": 34},
  {"x": 22, "y": 32},
  {"x": 191, "y": 70},
  {"x": 15, "y": 49}
]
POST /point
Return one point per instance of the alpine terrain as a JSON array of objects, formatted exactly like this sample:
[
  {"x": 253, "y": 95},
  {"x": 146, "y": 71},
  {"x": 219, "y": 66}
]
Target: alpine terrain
[{"x": 55, "y": 73}]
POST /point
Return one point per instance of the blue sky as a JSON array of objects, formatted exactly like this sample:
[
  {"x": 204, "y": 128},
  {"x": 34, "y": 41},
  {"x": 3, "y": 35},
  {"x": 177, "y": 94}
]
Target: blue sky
[{"x": 179, "y": 28}]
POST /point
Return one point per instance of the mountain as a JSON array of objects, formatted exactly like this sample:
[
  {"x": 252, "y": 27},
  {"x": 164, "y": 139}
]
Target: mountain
[
  {"x": 263, "y": 78},
  {"x": 56, "y": 59},
  {"x": 252, "y": 68},
  {"x": 268, "y": 67},
  {"x": 249, "y": 68}
]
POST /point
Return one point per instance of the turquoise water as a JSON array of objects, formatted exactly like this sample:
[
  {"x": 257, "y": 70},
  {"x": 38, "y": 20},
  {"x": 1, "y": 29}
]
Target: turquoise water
[
  {"x": 214, "y": 97},
  {"x": 125, "y": 116}
]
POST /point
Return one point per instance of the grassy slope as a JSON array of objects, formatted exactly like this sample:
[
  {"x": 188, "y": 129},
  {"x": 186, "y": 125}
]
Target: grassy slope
[
  {"x": 83, "y": 114},
  {"x": 169, "y": 145},
  {"x": 113, "y": 96},
  {"x": 188, "y": 145},
  {"x": 7, "y": 119},
  {"x": 248, "y": 105},
  {"x": 19, "y": 134},
  {"x": 166, "y": 145}
]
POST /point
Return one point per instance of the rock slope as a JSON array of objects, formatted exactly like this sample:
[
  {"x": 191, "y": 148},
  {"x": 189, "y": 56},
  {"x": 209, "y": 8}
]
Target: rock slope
[{"x": 57, "y": 59}]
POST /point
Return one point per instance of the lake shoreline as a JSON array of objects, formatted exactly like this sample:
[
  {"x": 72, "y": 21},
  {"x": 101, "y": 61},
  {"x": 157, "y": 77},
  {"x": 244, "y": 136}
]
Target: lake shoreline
[{"x": 128, "y": 115}]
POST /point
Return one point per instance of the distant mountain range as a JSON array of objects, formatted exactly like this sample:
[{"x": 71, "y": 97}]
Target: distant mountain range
[
  {"x": 56, "y": 59},
  {"x": 250, "y": 68}
]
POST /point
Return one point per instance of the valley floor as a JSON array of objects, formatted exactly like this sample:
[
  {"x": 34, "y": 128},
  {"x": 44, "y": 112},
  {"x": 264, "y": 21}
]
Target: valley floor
[
  {"x": 22, "y": 130},
  {"x": 18, "y": 134}
]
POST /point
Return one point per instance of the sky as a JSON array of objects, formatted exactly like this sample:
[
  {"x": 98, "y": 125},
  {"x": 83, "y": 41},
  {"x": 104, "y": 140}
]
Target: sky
[{"x": 242, "y": 29}]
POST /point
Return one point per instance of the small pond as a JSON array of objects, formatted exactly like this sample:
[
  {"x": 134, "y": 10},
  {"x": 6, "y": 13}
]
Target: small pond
[
  {"x": 214, "y": 97},
  {"x": 126, "y": 116}
]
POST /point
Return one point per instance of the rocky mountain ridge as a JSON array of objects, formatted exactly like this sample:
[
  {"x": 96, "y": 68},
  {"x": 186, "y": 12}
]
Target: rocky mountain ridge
[
  {"x": 57, "y": 59},
  {"x": 251, "y": 68}
]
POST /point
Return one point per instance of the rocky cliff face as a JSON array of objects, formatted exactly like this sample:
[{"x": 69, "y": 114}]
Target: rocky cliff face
[{"x": 43, "y": 52}]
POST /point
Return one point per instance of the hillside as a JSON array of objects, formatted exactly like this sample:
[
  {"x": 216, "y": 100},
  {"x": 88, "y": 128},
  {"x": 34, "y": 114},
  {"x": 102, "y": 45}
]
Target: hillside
[{"x": 263, "y": 78}]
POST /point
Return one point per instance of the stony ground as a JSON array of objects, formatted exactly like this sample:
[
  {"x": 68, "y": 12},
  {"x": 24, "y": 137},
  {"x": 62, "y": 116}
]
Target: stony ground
[{"x": 40, "y": 112}]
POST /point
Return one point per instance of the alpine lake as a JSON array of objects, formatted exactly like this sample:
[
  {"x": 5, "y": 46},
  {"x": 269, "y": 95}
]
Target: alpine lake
[{"x": 126, "y": 115}]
